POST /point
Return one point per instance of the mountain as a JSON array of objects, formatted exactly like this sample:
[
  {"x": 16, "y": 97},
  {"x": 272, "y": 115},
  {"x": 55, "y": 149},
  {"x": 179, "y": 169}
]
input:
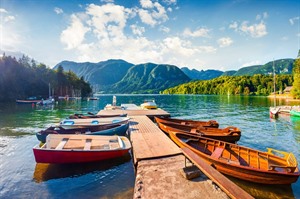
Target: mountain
[
  {"x": 119, "y": 76},
  {"x": 201, "y": 75},
  {"x": 282, "y": 66},
  {"x": 150, "y": 78}
]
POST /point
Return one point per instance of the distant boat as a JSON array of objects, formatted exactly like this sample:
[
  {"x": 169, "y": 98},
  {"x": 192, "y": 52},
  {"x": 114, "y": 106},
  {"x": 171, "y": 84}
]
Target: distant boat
[
  {"x": 109, "y": 129},
  {"x": 45, "y": 102},
  {"x": 62, "y": 149},
  {"x": 272, "y": 167},
  {"x": 274, "y": 111},
  {"x": 27, "y": 101},
  {"x": 85, "y": 123},
  {"x": 149, "y": 104}
]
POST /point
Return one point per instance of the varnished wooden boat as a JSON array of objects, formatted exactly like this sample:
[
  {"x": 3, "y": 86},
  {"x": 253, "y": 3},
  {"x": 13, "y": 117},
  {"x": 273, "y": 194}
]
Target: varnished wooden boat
[
  {"x": 193, "y": 123},
  {"x": 61, "y": 149},
  {"x": 91, "y": 115},
  {"x": 271, "y": 167},
  {"x": 229, "y": 134}
]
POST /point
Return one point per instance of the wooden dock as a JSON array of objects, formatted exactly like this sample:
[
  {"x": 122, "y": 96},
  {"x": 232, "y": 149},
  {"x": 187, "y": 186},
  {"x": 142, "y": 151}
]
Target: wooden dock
[{"x": 159, "y": 162}]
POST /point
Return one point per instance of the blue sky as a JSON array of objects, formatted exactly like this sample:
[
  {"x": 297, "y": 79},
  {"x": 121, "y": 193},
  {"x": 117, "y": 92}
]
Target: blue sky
[{"x": 203, "y": 34}]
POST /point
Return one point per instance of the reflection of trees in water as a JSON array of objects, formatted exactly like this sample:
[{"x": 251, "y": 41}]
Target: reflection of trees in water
[{"x": 45, "y": 172}]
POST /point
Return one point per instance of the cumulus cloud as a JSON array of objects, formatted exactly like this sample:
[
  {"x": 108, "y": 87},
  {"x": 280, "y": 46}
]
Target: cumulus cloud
[
  {"x": 225, "y": 41},
  {"x": 201, "y": 32},
  {"x": 58, "y": 10},
  {"x": 74, "y": 35},
  {"x": 137, "y": 30},
  {"x": 152, "y": 13},
  {"x": 254, "y": 30}
]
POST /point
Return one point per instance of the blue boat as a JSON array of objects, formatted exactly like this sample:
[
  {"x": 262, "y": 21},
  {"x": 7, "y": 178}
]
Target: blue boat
[{"x": 108, "y": 129}]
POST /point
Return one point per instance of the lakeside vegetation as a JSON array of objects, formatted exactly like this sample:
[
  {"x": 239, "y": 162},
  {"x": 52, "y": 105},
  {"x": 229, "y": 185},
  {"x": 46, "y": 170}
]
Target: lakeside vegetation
[
  {"x": 24, "y": 78},
  {"x": 256, "y": 84}
]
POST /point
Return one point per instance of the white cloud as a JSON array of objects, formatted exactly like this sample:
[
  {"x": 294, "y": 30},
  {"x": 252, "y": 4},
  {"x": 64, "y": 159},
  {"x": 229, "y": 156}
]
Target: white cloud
[
  {"x": 2, "y": 10},
  {"x": 225, "y": 41},
  {"x": 9, "y": 18},
  {"x": 164, "y": 29},
  {"x": 262, "y": 16},
  {"x": 146, "y": 4},
  {"x": 74, "y": 35},
  {"x": 137, "y": 30},
  {"x": 201, "y": 32},
  {"x": 293, "y": 20},
  {"x": 58, "y": 10},
  {"x": 152, "y": 13},
  {"x": 170, "y": 1},
  {"x": 254, "y": 30}
]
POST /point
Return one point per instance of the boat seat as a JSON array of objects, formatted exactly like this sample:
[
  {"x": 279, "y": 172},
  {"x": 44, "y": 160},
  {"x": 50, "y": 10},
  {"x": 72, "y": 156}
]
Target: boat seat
[
  {"x": 193, "y": 131},
  {"x": 289, "y": 169},
  {"x": 62, "y": 144},
  {"x": 88, "y": 144},
  {"x": 217, "y": 153}
]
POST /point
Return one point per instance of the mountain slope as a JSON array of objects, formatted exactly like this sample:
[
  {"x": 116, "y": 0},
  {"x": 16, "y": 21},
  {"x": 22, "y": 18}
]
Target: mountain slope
[
  {"x": 150, "y": 78},
  {"x": 201, "y": 75}
]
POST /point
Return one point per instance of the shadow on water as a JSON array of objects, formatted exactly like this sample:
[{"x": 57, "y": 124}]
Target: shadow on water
[
  {"x": 44, "y": 172},
  {"x": 264, "y": 191}
]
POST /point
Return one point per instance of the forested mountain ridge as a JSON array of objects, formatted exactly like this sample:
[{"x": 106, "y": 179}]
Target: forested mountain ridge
[
  {"x": 282, "y": 66},
  {"x": 119, "y": 76}
]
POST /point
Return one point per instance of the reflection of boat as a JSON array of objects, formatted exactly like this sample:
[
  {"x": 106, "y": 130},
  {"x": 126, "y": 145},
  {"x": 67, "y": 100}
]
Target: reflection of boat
[
  {"x": 149, "y": 104},
  {"x": 229, "y": 134},
  {"x": 44, "y": 172},
  {"x": 61, "y": 149},
  {"x": 192, "y": 123},
  {"x": 90, "y": 122},
  {"x": 295, "y": 113},
  {"x": 110, "y": 129},
  {"x": 242, "y": 162}
]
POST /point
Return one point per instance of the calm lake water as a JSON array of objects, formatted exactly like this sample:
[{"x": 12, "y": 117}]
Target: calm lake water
[{"x": 21, "y": 177}]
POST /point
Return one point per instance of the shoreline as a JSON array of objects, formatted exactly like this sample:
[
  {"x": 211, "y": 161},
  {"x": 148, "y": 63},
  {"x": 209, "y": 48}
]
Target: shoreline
[{"x": 287, "y": 98}]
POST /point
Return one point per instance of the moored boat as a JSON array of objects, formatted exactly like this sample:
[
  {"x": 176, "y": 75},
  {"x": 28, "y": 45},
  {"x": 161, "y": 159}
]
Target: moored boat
[
  {"x": 295, "y": 113},
  {"x": 62, "y": 149},
  {"x": 149, "y": 104},
  {"x": 229, "y": 134},
  {"x": 271, "y": 167},
  {"x": 83, "y": 123},
  {"x": 193, "y": 123},
  {"x": 27, "y": 101},
  {"x": 91, "y": 115},
  {"x": 109, "y": 129}
]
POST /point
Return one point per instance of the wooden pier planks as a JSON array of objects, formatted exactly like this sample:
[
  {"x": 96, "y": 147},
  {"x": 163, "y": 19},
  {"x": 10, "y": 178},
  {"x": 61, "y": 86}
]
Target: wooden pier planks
[
  {"x": 148, "y": 141},
  {"x": 231, "y": 189}
]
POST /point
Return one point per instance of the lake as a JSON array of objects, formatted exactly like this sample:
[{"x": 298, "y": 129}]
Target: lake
[{"x": 21, "y": 177}]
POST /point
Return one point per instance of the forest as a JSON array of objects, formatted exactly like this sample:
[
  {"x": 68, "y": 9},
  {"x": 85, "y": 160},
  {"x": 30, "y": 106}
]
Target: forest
[
  {"x": 256, "y": 84},
  {"x": 24, "y": 78}
]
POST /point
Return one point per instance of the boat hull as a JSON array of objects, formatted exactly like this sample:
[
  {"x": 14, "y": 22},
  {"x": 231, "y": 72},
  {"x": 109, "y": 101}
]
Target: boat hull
[
  {"x": 238, "y": 169},
  {"x": 73, "y": 156},
  {"x": 113, "y": 129},
  {"x": 295, "y": 113},
  {"x": 192, "y": 123}
]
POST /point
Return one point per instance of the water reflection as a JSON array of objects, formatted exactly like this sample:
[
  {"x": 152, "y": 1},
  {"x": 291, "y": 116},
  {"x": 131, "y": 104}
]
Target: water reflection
[
  {"x": 44, "y": 172},
  {"x": 264, "y": 191}
]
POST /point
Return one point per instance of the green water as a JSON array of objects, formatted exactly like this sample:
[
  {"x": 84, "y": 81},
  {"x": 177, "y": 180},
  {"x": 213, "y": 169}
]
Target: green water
[{"x": 21, "y": 177}]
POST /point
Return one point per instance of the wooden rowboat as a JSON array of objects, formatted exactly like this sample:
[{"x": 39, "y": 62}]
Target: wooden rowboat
[
  {"x": 193, "y": 123},
  {"x": 61, "y": 149},
  {"x": 90, "y": 122},
  {"x": 271, "y": 167},
  {"x": 229, "y": 134},
  {"x": 108, "y": 129},
  {"x": 91, "y": 115}
]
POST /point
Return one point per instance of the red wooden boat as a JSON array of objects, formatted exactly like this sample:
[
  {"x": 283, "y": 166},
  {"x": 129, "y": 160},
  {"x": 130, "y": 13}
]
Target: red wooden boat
[
  {"x": 193, "y": 123},
  {"x": 229, "y": 134},
  {"x": 271, "y": 167},
  {"x": 61, "y": 149}
]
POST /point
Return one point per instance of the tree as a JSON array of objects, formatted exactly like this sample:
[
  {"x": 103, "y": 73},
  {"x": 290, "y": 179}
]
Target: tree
[{"x": 296, "y": 74}]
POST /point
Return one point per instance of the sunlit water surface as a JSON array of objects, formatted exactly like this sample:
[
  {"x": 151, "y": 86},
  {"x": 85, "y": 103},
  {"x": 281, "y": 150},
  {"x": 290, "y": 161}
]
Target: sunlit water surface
[{"x": 21, "y": 177}]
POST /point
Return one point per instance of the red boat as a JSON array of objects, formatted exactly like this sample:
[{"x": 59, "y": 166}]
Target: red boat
[{"x": 62, "y": 149}]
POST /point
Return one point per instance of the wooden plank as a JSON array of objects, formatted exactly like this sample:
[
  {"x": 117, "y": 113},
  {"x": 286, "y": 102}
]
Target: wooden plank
[
  {"x": 148, "y": 141},
  {"x": 88, "y": 144},
  {"x": 62, "y": 144},
  {"x": 231, "y": 189}
]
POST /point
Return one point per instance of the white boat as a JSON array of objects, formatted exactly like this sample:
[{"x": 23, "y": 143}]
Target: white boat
[
  {"x": 83, "y": 123},
  {"x": 149, "y": 104},
  {"x": 46, "y": 101}
]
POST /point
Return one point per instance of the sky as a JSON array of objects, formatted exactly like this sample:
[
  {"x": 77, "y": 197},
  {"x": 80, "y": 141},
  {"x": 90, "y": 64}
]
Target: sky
[{"x": 201, "y": 34}]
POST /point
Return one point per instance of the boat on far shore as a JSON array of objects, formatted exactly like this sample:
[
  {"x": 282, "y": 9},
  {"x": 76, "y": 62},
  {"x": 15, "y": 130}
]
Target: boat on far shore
[{"x": 27, "y": 101}]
